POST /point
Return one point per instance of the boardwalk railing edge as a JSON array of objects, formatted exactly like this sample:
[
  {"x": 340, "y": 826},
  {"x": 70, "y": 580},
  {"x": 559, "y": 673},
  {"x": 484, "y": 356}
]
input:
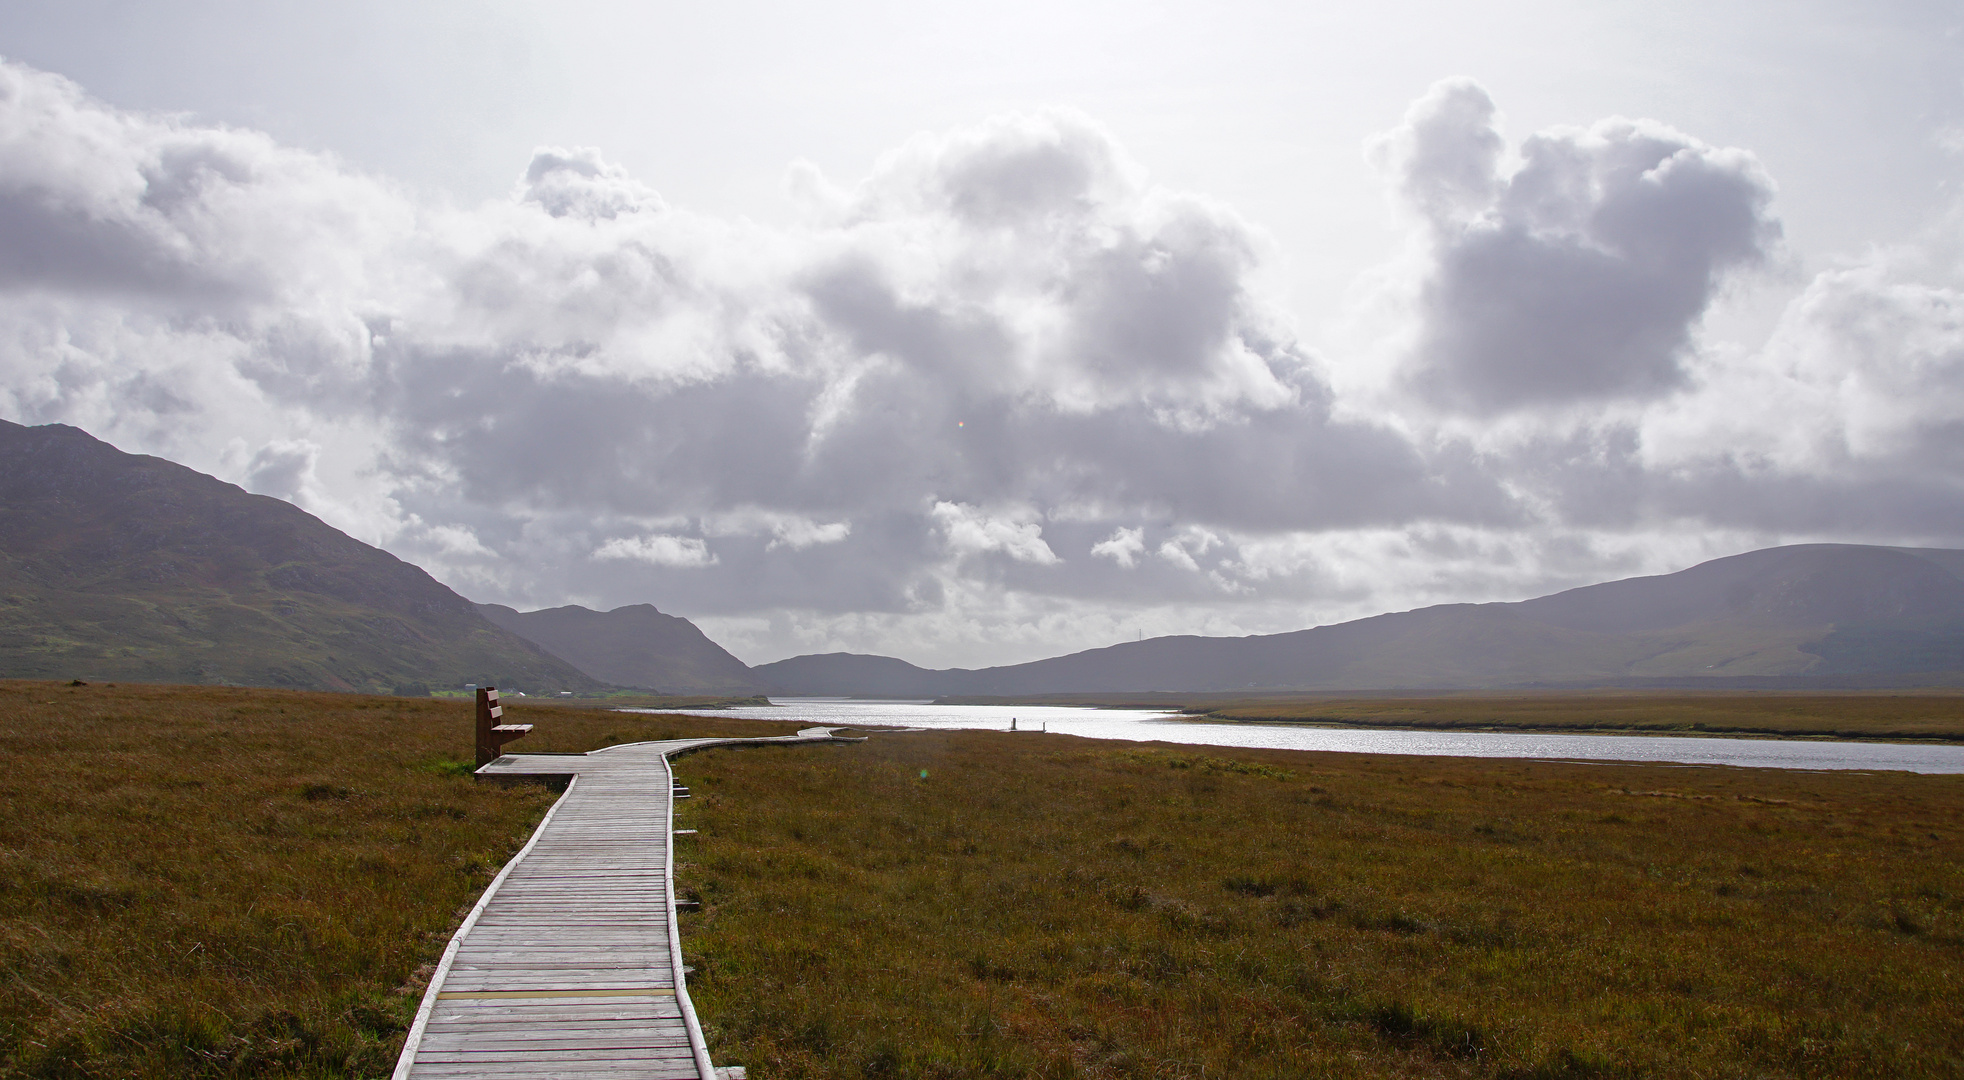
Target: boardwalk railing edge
[
  {"x": 698, "y": 1045},
  {"x": 414, "y": 1039}
]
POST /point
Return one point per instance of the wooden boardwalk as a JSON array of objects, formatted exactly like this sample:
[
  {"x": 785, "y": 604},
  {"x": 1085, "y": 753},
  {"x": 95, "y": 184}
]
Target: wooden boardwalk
[{"x": 570, "y": 965}]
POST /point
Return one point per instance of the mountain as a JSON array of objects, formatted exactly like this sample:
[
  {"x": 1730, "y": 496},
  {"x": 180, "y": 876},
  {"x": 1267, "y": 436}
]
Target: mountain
[
  {"x": 631, "y": 646},
  {"x": 118, "y": 566},
  {"x": 856, "y": 675},
  {"x": 1805, "y": 612}
]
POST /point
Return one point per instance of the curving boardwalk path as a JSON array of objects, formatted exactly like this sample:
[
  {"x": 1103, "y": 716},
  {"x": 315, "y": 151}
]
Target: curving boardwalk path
[{"x": 570, "y": 964}]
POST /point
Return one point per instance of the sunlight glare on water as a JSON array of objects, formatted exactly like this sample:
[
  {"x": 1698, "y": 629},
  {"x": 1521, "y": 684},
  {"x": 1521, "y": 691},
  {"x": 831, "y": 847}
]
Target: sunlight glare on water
[{"x": 1144, "y": 726}]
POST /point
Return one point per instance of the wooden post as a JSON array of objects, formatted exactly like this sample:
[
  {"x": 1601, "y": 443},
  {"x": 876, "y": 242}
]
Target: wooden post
[{"x": 492, "y": 735}]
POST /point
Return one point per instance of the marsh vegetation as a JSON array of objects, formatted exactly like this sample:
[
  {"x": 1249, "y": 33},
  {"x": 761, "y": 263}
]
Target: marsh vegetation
[
  {"x": 954, "y": 904},
  {"x": 217, "y": 882}
]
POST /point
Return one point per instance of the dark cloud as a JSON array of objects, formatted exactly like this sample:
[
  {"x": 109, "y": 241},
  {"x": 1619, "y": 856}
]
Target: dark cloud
[
  {"x": 919, "y": 355},
  {"x": 282, "y": 470},
  {"x": 1603, "y": 482},
  {"x": 1579, "y": 277},
  {"x": 1007, "y": 397}
]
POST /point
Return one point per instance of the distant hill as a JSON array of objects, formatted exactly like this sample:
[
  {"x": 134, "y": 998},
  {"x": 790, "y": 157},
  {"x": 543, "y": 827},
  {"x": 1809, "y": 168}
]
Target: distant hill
[
  {"x": 117, "y": 566},
  {"x": 857, "y": 675},
  {"x": 1802, "y": 614},
  {"x": 631, "y": 646}
]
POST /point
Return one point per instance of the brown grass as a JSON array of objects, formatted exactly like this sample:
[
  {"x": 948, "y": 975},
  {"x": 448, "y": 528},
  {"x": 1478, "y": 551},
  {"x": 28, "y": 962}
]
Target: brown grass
[
  {"x": 956, "y": 904},
  {"x": 217, "y": 882}
]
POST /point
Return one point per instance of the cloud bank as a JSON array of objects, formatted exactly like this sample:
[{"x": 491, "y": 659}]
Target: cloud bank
[
  {"x": 1580, "y": 275},
  {"x": 1003, "y": 396}
]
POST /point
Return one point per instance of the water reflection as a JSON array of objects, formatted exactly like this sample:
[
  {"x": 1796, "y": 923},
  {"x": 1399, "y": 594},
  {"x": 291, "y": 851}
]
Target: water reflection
[{"x": 1171, "y": 727}]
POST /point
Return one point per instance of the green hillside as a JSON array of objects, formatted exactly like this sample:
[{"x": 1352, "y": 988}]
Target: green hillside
[{"x": 121, "y": 567}]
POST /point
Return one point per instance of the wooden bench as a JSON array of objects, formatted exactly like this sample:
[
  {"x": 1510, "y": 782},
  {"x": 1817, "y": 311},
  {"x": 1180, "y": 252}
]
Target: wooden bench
[{"x": 492, "y": 735}]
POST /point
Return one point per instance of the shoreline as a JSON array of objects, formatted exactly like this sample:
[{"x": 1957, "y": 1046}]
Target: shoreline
[{"x": 1762, "y": 734}]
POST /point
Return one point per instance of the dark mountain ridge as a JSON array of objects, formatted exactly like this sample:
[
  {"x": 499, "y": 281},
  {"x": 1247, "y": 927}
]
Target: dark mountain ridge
[
  {"x": 121, "y": 566},
  {"x": 1800, "y": 612},
  {"x": 1810, "y": 584},
  {"x": 856, "y": 675},
  {"x": 634, "y": 646}
]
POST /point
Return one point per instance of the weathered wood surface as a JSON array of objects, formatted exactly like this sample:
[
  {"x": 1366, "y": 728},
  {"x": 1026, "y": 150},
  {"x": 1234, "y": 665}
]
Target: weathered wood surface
[
  {"x": 570, "y": 964},
  {"x": 491, "y": 734}
]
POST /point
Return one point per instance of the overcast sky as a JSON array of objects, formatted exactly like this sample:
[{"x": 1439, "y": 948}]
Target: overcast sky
[{"x": 976, "y": 335}]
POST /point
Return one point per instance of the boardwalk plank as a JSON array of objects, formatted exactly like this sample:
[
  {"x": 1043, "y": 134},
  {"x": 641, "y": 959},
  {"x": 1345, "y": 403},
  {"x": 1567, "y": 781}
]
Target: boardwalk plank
[{"x": 574, "y": 939}]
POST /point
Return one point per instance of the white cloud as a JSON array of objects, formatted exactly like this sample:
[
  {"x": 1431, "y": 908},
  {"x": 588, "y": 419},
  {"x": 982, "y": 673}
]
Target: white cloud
[
  {"x": 967, "y": 530},
  {"x": 579, "y": 183},
  {"x": 457, "y": 541},
  {"x": 793, "y": 532},
  {"x": 658, "y": 550},
  {"x": 1172, "y": 552},
  {"x": 1185, "y": 549},
  {"x": 1004, "y": 342},
  {"x": 800, "y": 533},
  {"x": 1123, "y": 546}
]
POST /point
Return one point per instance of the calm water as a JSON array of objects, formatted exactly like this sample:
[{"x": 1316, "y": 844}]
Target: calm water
[{"x": 1163, "y": 727}]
